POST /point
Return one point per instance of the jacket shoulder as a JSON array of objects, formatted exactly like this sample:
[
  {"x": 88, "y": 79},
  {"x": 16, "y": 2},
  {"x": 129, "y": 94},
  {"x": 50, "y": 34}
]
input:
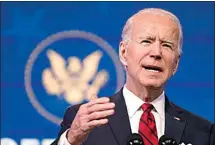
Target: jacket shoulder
[{"x": 74, "y": 108}]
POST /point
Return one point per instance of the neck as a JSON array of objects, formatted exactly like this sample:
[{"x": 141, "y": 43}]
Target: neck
[{"x": 147, "y": 94}]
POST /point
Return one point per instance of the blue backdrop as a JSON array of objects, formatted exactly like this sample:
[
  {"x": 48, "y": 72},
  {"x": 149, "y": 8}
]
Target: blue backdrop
[{"x": 32, "y": 108}]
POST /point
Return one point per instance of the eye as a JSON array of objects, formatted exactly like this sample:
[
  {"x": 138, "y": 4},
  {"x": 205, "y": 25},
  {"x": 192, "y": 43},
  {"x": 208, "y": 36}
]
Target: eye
[
  {"x": 167, "y": 45},
  {"x": 145, "y": 42}
]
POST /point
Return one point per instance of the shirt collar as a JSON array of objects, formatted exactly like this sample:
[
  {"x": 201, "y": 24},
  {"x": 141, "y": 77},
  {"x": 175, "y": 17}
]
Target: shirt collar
[{"x": 134, "y": 103}]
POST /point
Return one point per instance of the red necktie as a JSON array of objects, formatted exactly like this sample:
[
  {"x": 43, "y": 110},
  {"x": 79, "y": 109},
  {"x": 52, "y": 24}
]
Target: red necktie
[{"x": 147, "y": 126}]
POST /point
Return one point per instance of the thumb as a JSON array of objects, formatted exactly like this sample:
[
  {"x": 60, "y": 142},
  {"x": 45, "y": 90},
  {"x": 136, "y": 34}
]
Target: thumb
[{"x": 93, "y": 97}]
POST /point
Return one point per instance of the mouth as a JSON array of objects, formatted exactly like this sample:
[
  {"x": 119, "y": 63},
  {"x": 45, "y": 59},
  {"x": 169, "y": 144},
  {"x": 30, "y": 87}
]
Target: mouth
[{"x": 152, "y": 68}]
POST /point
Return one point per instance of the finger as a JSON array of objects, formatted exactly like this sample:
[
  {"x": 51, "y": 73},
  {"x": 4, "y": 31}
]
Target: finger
[
  {"x": 101, "y": 107},
  {"x": 83, "y": 109},
  {"x": 98, "y": 101},
  {"x": 94, "y": 96},
  {"x": 97, "y": 123},
  {"x": 100, "y": 114}
]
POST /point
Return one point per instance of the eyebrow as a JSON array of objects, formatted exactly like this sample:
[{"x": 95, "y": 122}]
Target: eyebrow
[
  {"x": 147, "y": 37},
  {"x": 153, "y": 38}
]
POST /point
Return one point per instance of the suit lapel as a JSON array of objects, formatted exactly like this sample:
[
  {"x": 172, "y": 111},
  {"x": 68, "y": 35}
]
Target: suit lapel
[
  {"x": 120, "y": 125},
  {"x": 174, "y": 121},
  {"x": 119, "y": 122}
]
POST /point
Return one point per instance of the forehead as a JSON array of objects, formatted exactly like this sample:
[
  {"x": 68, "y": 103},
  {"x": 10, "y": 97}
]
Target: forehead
[{"x": 154, "y": 24}]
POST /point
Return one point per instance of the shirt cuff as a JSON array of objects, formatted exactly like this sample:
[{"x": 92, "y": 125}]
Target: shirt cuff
[{"x": 63, "y": 140}]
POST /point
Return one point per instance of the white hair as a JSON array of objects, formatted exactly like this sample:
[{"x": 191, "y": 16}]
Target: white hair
[{"x": 126, "y": 33}]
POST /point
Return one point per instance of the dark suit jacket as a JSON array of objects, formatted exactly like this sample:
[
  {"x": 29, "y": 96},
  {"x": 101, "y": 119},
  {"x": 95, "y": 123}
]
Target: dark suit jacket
[
  {"x": 213, "y": 136},
  {"x": 189, "y": 129}
]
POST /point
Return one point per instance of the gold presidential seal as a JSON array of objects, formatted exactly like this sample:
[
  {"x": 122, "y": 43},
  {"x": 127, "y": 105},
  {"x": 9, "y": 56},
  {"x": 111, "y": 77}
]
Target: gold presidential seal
[{"x": 71, "y": 77}]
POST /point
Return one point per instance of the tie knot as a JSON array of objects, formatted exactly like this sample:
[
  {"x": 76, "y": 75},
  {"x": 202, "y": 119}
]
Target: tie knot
[{"x": 147, "y": 107}]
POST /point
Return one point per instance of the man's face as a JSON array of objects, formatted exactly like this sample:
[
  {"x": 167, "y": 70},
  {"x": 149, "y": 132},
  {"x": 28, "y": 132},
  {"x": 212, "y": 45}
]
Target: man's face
[{"x": 151, "y": 57}]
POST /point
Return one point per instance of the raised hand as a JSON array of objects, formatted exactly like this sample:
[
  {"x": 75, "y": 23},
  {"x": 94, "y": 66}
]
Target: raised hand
[{"x": 90, "y": 115}]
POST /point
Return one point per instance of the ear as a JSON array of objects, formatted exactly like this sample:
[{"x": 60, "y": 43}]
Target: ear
[
  {"x": 175, "y": 67},
  {"x": 123, "y": 53}
]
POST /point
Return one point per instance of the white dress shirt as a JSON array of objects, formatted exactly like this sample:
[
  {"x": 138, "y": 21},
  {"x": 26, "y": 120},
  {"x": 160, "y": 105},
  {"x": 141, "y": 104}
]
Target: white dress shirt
[
  {"x": 134, "y": 104},
  {"x": 63, "y": 140}
]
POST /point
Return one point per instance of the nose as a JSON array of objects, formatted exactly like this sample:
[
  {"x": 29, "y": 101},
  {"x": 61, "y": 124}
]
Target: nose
[{"x": 156, "y": 51}]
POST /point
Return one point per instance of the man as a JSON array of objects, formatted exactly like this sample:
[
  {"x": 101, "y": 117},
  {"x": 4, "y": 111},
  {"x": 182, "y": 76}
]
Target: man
[{"x": 150, "y": 51}]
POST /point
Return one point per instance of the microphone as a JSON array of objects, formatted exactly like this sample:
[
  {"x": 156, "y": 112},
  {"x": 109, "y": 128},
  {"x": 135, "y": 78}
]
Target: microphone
[
  {"x": 135, "y": 139},
  {"x": 164, "y": 140}
]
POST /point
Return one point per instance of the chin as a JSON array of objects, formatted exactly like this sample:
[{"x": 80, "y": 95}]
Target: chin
[{"x": 155, "y": 84}]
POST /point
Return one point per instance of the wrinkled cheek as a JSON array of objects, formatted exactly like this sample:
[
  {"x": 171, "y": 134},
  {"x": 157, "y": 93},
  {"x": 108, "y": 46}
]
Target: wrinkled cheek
[{"x": 168, "y": 75}]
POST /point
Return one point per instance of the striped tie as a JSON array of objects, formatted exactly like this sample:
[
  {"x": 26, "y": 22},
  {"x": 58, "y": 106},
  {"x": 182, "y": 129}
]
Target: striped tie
[{"x": 147, "y": 126}]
